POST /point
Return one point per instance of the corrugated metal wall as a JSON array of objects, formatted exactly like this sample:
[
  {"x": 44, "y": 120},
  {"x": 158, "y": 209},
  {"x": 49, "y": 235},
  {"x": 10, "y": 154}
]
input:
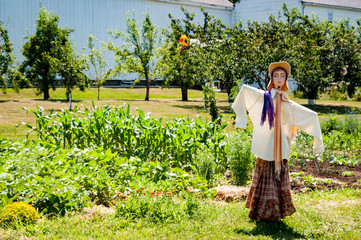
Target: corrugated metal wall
[
  {"x": 91, "y": 16},
  {"x": 336, "y": 13},
  {"x": 260, "y": 10}
]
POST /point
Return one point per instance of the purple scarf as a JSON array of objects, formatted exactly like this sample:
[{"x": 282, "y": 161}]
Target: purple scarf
[{"x": 268, "y": 109}]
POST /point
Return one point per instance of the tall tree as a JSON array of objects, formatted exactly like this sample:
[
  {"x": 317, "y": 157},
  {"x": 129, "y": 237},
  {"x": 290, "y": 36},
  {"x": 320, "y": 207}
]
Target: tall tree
[
  {"x": 98, "y": 66},
  {"x": 226, "y": 56},
  {"x": 347, "y": 55},
  {"x": 313, "y": 56},
  {"x": 70, "y": 66},
  {"x": 183, "y": 66},
  {"x": 49, "y": 37},
  {"x": 8, "y": 73},
  {"x": 138, "y": 53},
  {"x": 267, "y": 43},
  {"x": 6, "y": 57}
]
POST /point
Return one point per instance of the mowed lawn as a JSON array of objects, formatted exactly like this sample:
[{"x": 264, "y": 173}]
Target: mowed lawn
[
  {"x": 320, "y": 215},
  {"x": 164, "y": 103}
]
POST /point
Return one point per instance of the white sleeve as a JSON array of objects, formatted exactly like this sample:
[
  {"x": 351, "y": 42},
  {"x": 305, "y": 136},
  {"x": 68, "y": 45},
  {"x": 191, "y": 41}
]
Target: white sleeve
[
  {"x": 307, "y": 120},
  {"x": 245, "y": 100}
]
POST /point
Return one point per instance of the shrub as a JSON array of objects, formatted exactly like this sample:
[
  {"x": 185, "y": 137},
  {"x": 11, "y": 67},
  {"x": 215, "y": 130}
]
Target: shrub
[
  {"x": 298, "y": 94},
  {"x": 239, "y": 156},
  {"x": 205, "y": 163},
  {"x": 211, "y": 102},
  {"x": 357, "y": 95},
  {"x": 350, "y": 124},
  {"x": 329, "y": 124},
  {"x": 20, "y": 212}
]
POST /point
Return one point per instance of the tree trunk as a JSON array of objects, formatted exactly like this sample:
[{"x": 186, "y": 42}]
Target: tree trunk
[
  {"x": 68, "y": 91},
  {"x": 184, "y": 93},
  {"x": 45, "y": 83},
  {"x": 351, "y": 88},
  {"x": 45, "y": 88},
  {"x": 46, "y": 92},
  {"x": 229, "y": 91},
  {"x": 68, "y": 95},
  {"x": 312, "y": 95},
  {"x": 98, "y": 92},
  {"x": 148, "y": 84}
]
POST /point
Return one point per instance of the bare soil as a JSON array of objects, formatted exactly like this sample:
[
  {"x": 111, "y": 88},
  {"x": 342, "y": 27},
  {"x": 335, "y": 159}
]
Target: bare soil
[
  {"x": 325, "y": 176},
  {"x": 324, "y": 170}
]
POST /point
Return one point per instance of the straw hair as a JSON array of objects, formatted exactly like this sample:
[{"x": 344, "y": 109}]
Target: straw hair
[{"x": 283, "y": 65}]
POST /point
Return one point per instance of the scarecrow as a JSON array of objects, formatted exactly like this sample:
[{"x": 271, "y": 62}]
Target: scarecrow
[{"x": 270, "y": 197}]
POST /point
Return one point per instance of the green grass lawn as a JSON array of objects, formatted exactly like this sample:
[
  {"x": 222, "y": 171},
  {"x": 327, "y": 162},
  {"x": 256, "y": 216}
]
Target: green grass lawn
[
  {"x": 165, "y": 103},
  {"x": 105, "y": 94},
  {"x": 320, "y": 215}
]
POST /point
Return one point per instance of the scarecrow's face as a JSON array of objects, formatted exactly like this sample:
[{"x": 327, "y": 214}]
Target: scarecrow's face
[{"x": 279, "y": 78}]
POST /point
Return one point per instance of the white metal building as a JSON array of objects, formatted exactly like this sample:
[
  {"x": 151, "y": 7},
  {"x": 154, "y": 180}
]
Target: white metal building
[
  {"x": 98, "y": 16},
  {"x": 259, "y": 10}
]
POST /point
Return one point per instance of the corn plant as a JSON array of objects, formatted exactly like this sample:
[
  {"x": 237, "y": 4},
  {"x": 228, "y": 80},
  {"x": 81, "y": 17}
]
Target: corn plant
[{"x": 175, "y": 141}]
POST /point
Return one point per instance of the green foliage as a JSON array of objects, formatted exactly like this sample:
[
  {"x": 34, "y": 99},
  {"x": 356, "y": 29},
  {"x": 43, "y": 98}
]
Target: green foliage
[
  {"x": 267, "y": 43},
  {"x": 206, "y": 164},
  {"x": 335, "y": 93},
  {"x": 299, "y": 94},
  {"x": 350, "y": 124},
  {"x": 115, "y": 128},
  {"x": 224, "y": 54},
  {"x": 341, "y": 137},
  {"x": 327, "y": 50},
  {"x": 185, "y": 67},
  {"x": 70, "y": 66},
  {"x": 57, "y": 180},
  {"x": 347, "y": 174},
  {"x": 232, "y": 55},
  {"x": 159, "y": 207},
  {"x": 18, "y": 212},
  {"x": 239, "y": 155},
  {"x": 346, "y": 59},
  {"x": 6, "y": 58},
  {"x": 312, "y": 70},
  {"x": 97, "y": 64},
  {"x": 8, "y": 73},
  {"x": 47, "y": 43},
  {"x": 82, "y": 160},
  {"x": 357, "y": 95},
  {"x": 211, "y": 102},
  {"x": 138, "y": 54}
]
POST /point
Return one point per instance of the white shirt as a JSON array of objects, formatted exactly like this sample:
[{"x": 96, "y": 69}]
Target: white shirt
[{"x": 293, "y": 115}]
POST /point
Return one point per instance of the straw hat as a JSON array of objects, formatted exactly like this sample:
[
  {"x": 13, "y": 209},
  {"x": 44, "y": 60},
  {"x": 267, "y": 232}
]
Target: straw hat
[{"x": 283, "y": 65}]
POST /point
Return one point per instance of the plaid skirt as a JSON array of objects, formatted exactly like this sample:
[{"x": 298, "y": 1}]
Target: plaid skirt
[{"x": 270, "y": 199}]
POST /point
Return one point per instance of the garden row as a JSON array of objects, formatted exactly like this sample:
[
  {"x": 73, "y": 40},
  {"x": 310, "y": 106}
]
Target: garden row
[{"x": 103, "y": 155}]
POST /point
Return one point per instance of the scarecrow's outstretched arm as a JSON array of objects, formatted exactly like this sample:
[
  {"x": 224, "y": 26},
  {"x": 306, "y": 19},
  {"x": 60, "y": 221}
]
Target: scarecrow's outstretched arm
[
  {"x": 245, "y": 100},
  {"x": 307, "y": 120}
]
